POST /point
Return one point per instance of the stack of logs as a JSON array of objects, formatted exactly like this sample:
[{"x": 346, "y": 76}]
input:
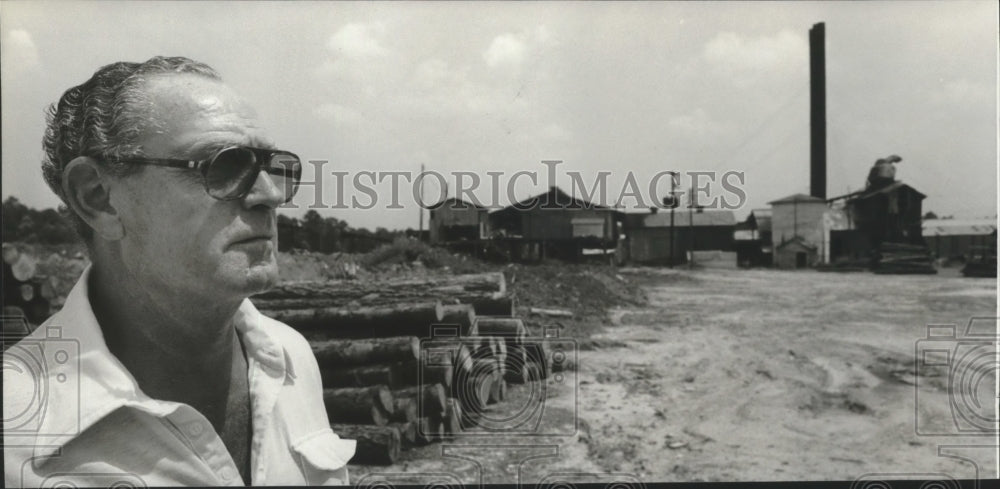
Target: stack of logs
[
  {"x": 451, "y": 343},
  {"x": 903, "y": 258},
  {"x": 26, "y": 293}
]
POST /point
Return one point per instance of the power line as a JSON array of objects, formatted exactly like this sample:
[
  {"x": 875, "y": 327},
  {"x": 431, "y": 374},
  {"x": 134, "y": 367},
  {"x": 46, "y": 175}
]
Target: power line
[{"x": 766, "y": 122}]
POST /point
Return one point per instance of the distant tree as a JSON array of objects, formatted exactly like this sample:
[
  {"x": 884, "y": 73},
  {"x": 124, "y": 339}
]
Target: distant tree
[
  {"x": 290, "y": 234},
  {"x": 930, "y": 215},
  {"x": 22, "y": 223},
  {"x": 13, "y": 212},
  {"x": 314, "y": 228},
  {"x": 54, "y": 228}
]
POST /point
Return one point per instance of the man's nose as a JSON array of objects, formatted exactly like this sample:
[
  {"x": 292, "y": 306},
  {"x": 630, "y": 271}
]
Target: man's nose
[{"x": 264, "y": 192}]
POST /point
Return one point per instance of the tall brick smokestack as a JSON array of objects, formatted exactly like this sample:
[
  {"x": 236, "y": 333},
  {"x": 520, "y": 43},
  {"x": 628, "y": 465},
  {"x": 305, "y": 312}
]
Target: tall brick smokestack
[{"x": 817, "y": 112}]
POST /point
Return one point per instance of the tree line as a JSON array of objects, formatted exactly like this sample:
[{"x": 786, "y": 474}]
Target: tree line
[
  {"x": 331, "y": 235},
  {"x": 312, "y": 233},
  {"x": 46, "y": 226}
]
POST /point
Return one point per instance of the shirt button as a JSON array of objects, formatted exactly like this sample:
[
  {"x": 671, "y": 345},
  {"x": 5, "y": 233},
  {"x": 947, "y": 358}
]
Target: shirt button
[
  {"x": 226, "y": 473},
  {"x": 196, "y": 429}
]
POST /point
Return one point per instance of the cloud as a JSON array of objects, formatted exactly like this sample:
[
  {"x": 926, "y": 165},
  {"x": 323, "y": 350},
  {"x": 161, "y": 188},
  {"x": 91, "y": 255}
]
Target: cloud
[
  {"x": 357, "y": 40},
  {"x": 511, "y": 50},
  {"x": 19, "y": 51},
  {"x": 505, "y": 50}
]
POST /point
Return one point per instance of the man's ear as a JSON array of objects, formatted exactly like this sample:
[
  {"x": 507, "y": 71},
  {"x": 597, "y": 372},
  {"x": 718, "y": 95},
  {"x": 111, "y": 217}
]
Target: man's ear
[{"x": 87, "y": 190}]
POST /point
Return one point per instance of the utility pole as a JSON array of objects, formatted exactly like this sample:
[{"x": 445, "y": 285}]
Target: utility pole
[
  {"x": 420, "y": 207},
  {"x": 691, "y": 205},
  {"x": 673, "y": 230}
]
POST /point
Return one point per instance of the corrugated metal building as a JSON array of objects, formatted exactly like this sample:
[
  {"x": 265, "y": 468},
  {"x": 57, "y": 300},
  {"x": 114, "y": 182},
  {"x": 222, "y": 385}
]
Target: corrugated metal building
[
  {"x": 953, "y": 238},
  {"x": 648, "y": 235}
]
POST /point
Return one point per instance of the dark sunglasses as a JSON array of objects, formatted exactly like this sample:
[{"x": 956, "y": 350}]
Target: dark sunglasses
[{"x": 231, "y": 172}]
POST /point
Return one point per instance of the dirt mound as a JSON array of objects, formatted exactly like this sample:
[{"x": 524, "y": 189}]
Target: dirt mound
[
  {"x": 403, "y": 258},
  {"x": 587, "y": 291}
]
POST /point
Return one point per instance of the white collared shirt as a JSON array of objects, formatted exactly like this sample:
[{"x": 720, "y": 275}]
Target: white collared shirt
[{"x": 72, "y": 413}]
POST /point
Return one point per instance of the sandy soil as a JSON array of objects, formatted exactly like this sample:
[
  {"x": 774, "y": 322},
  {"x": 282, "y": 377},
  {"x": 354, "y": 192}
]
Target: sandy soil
[{"x": 744, "y": 375}]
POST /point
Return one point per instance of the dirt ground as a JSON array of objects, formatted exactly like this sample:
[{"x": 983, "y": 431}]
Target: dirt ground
[{"x": 744, "y": 376}]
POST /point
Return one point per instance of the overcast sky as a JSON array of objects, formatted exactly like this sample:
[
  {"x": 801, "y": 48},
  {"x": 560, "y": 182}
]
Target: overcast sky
[{"x": 617, "y": 87}]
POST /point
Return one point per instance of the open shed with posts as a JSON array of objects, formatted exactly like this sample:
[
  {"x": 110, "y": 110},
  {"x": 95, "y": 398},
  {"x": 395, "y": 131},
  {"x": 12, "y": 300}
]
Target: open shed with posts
[{"x": 556, "y": 225}]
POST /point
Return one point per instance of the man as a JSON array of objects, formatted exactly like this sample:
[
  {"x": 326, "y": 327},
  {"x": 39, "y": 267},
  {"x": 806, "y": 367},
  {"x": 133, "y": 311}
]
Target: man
[{"x": 158, "y": 370}]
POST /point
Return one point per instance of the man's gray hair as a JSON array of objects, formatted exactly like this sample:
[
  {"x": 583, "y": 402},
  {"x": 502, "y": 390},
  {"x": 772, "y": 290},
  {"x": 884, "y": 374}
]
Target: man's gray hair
[{"x": 104, "y": 117}]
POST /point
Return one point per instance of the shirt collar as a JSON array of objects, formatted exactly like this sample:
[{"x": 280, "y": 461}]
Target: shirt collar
[
  {"x": 260, "y": 342},
  {"x": 91, "y": 383}
]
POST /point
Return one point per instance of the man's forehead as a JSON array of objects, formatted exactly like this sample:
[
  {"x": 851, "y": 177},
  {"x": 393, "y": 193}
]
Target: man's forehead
[
  {"x": 179, "y": 92},
  {"x": 192, "y": 113}
]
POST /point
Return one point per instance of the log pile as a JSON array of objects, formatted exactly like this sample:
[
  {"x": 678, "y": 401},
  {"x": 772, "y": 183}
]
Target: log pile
[
  {"x": 26, "y": 292},
  {"x": 903, "y": 258},
  {"x": 409, "y": 362}
]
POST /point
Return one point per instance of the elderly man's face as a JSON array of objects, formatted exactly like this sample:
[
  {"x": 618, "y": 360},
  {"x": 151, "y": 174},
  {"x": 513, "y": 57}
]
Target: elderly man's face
[{"x": 177, "y": 237}]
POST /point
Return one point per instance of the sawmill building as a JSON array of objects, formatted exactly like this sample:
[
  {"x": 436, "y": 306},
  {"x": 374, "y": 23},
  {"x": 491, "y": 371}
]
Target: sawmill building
[
  {"x": 554, "y": 224},
  {"x": 650, "y": 235},
  {"x": 454, "y": 219}
]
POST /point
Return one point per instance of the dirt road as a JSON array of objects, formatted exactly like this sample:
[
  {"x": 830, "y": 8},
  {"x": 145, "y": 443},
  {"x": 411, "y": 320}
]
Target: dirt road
[{"x": 755, "y": 375}]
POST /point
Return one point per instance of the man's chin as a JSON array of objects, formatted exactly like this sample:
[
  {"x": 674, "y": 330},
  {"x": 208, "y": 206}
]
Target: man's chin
[
  {"x": 247, "y": 279},
  {"x": 261, "y": 277}
]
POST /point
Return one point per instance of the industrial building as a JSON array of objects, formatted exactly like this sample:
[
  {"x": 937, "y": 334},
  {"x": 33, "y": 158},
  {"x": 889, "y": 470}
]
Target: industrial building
[
  {"x": 455, "y": 219},
  {"x": 797, "y": 230},
  {"x": 753, "y": 240},
  {"x": 554, "y": 224},
  {"x": 955, "y": 239},
  {"x": 651, "y": 238}
]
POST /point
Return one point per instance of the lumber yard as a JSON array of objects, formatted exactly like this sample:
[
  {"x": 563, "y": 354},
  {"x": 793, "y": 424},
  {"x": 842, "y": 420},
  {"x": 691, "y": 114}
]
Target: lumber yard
[{"x": 410, "y": 362}]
